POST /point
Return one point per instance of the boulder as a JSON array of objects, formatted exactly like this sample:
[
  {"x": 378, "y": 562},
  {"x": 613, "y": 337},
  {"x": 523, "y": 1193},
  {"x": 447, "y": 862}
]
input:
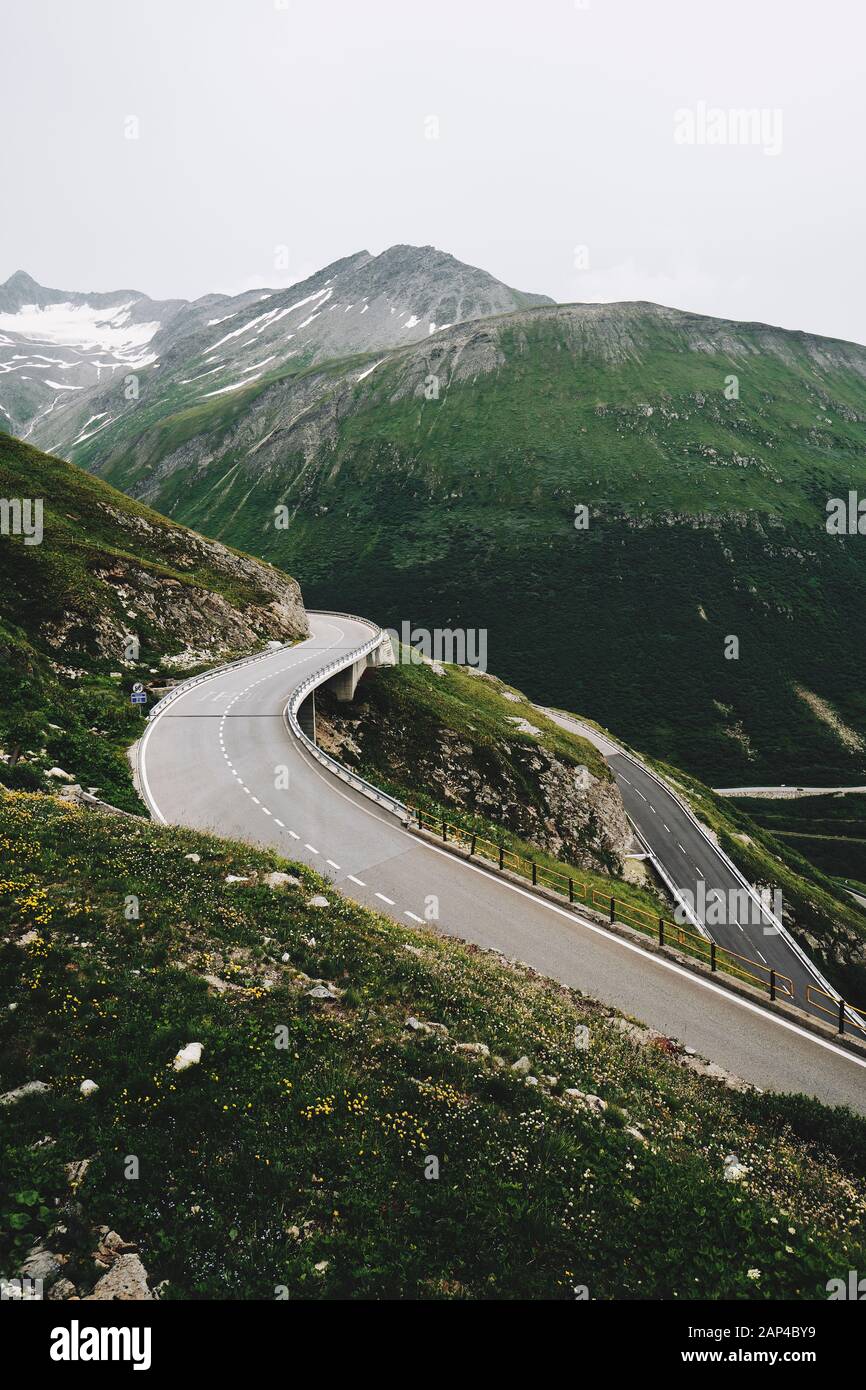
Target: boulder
[
  {"x": 125, "y": 1281},
  {"x": 418, "y": 1025},
  {"x": 280, "y": 880},
  {"x": 42, "y": 1264},
  {"x": 587, "y": 1099},
  {"x": 188, "y": 1056},
  {"x": 30, "y": 1088},
  {"x": 64, "y": 1288}
]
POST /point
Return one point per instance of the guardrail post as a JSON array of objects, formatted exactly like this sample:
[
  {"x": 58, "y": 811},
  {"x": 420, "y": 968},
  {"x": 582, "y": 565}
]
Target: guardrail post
[
  {"x": 841, "y": 1015},
  {"x": 472, "y": 845},
  {"x": 772, "y": 984},
  {"x": 501, "y": 857},
  {"x": 444, "y": 829},
  {"x": 712, "y": 955},
  {"x": 661, "y": 931},
  {"x": 612, "y": 909},
  {"x": 534, "y": 873},
  {"x": 571, "y": 890}
]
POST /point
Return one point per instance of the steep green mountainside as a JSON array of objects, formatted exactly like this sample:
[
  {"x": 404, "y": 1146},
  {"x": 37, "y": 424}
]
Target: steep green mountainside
[
  {"x": 438, "y": 484},
  {"x": 106, "y": 574},
  {"x": 829, "y": 830},
  {"x": 323, "y": 1146}
]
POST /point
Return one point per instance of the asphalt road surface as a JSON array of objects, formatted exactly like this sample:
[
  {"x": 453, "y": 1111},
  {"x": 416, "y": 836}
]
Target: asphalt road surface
[{"x": 215, "y": 756}]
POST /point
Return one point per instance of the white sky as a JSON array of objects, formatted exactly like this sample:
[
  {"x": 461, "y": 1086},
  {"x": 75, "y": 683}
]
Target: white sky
[{"x": 301, "y": 124}]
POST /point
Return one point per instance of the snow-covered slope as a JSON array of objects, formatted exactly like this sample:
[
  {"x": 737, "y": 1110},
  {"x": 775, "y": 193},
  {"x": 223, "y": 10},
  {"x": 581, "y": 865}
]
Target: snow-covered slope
[
  {"x": 65, "y": 359},
  {"x": 56, "y": 344}
]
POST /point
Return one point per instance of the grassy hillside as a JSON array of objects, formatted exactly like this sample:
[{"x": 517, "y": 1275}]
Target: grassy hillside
[
  {"x": 291, "y": 1160},
  {"x": 108, "y": 570},
  {"x": 707, "y": 517}
]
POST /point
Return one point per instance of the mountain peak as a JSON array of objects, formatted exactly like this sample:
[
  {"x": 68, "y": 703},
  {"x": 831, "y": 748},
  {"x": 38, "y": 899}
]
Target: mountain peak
[{"x": 20, "y": 280}]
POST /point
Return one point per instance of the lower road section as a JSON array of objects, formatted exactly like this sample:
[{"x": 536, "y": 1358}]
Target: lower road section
[{"x": 219, "y": 758}]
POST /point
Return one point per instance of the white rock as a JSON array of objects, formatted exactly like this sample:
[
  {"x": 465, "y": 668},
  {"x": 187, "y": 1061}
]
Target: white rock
[
  {"x": 586, "y": 1098},
  {"x": 187, "y": 1056},
  {"x": 280, "y": 880},
  {"x": 419, "y": 1025},
  {"x": 193, "y": 858},
  {"x": 88, "y": 1087},
  {"x": 521, "y": 1066},
  {"x": 479, "y": 1049},
  {"x": 60, "y": 774},
  {"x": 322, "y": 992},
  {"x": 237, "y": 878},
  {"x": 318, "y": 901},
  {"x": 30, "y": 1088},
  {"x": 734, "y": 1169}
]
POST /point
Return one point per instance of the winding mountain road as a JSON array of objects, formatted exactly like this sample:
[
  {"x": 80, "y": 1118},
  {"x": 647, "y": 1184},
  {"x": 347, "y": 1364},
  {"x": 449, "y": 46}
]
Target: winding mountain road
[{"x": 218, "y": 757}]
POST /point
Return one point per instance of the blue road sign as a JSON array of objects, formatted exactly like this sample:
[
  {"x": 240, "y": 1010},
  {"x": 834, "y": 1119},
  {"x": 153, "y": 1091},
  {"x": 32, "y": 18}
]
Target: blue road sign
[{"x": 138, "y": 697}]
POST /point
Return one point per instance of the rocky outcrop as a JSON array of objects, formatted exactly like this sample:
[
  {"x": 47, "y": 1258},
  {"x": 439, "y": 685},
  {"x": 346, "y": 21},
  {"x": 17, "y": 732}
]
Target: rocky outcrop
[{"x": 559, "y": 806}]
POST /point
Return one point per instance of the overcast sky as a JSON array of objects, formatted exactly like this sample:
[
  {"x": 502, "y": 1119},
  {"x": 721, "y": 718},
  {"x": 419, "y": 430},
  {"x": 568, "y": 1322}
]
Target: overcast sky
[{"x": 560, "y": 145}]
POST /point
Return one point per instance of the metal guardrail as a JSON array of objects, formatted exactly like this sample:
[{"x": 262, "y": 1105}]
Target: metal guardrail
[
  {"x": 842, "y": 1012},
  {"x": 576, "y": 890},
  {"x": 299, "y": 695},
  {"x": 182, "y": 686}
]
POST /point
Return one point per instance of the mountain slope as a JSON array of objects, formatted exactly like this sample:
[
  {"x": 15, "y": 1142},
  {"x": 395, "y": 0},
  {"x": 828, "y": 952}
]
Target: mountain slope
[
  {"x": 111, "y": 587},
  {"x": 56, "y": 346},
  {"x": 189, "y": 352},
  {"x": 444, "y": 477},
  {"x": 427, "y": 1129}
]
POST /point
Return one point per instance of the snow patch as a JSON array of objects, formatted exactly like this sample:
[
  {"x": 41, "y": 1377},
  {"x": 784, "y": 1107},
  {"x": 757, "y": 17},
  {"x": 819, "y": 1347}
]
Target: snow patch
[
  {"x": 370, "y": 369},
  {"x": 84, "y": 326}
]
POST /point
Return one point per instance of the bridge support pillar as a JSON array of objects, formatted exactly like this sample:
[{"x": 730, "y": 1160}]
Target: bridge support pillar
[{"x": 307, "y": 716}]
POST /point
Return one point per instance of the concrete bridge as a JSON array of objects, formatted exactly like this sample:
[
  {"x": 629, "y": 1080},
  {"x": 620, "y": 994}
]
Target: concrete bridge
[{"x": 343, "y": 684}]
